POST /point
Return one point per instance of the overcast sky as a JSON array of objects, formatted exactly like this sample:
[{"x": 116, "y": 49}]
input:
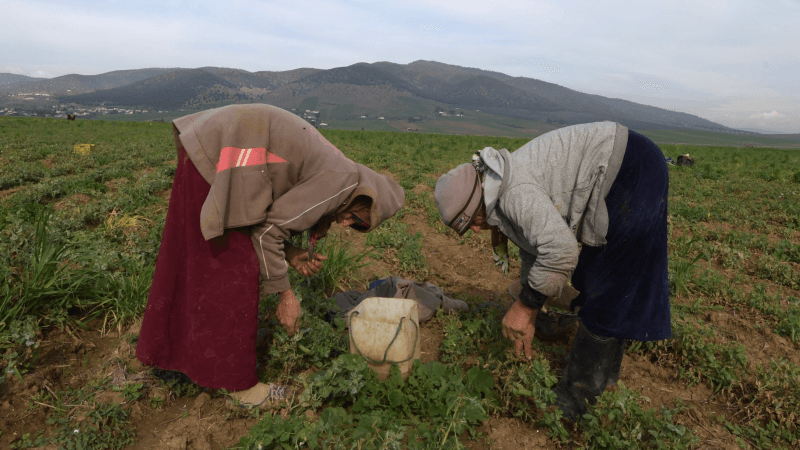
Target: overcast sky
[{"x": 736, "y": 62}]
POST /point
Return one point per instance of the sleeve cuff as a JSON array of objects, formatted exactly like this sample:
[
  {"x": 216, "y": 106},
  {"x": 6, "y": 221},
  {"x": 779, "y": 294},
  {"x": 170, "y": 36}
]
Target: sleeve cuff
[
  {"x": 531, "y": 297},
  {"x": 275, "y": 286}
]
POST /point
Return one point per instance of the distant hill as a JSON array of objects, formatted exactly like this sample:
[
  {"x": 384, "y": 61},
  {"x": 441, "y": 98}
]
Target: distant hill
[
  {"x": 168, "y": 91},
  {"x": 395, "y": 91},
  {"x": 8, "y": 80},
  {"x": 86, "y": 83}
]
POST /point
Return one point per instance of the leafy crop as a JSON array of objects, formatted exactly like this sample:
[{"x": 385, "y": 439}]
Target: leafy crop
[
  {"x": 432, "y": 408},
  {"x": 769, "y": 406},
  {"x": 618, "y": 421},
  {"x": 79, "y": 420},
  {"x": 721, "y": 365},
  {"x": 79, "y": 237}
]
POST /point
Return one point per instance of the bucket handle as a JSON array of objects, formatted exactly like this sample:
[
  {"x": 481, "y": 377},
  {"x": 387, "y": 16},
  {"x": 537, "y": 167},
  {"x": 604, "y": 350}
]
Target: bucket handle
[{"x": 396, "y": 333}]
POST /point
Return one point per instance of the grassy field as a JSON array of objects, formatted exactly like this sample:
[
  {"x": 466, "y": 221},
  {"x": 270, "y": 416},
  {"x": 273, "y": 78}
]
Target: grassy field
[
  {"x": 695, "y": 137},
  {"x": 79, "y": 235}
]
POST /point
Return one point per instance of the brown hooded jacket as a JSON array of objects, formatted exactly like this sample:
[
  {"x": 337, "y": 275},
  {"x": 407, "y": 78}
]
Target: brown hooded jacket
[{"x": 274, "y": 172}]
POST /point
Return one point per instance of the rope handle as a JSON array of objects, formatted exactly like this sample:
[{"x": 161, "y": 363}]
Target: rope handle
[{"x": 386, "y": 353}]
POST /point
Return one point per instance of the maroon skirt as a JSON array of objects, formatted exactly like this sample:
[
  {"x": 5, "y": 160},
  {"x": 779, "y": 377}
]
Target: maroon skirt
[{"x": 202, "y": 312}]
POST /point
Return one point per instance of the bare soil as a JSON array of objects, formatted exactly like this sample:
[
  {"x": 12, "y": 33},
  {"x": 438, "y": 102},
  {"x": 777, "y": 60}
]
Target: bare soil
[{"x": 71, "y": 358}]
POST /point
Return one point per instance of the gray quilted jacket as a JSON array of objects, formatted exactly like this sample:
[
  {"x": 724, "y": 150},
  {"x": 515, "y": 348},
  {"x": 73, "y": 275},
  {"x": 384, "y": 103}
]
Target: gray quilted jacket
[{"x": 549, "y": 194}]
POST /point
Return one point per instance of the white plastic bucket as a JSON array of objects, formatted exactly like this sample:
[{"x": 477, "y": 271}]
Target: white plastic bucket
[{"x": 385, "y": 331}]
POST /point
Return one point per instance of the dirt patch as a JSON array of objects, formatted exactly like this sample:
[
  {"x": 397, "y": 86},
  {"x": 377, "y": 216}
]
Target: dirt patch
[
  {"x": 113, "y": 185},
  {"x": 72, "y": 200},
  {"x": 512, "y": 434},
  {"x": 8, "y": 192},
  {"x": 48, "y": 162}
]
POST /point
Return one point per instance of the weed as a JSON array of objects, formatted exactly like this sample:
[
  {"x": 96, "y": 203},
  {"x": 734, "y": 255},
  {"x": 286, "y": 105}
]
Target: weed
[
  {"x": 722, "y": 365},
  {"x": 769, "y": 268},
  {"x": 528, "y": 393},
  {"x": 789, "y": 324},
  {"x": 618, "y": 421},
  {"x": 682, "y": 265},
  {"x": 156, "y": 402},
  {"x": 768, "y": 406},
  {"x": 468, "y": 332},
  {"x": 786, "y": 251},
  {"x": 384, "y": 414},
  {"x": 461, "y": 338},
  {"x": 20, "y": 343},
  {"x": 126, "y": 292},
  {"x": 177, "y": 383},
  {"x": 341, "y": 267},
  {"x": 131, "y": 391},
  {"x": 394, "y": 234},
  {"x": 99, "y": 426},
  {"x": 313, "y": 345}
]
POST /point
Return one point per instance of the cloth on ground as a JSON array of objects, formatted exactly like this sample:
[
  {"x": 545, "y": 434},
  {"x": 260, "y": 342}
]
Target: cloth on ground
[{"x": 429, "y": 297}]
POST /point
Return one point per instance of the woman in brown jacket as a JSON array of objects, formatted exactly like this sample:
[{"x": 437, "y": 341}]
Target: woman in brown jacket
[{"x": 248, "y": 178}]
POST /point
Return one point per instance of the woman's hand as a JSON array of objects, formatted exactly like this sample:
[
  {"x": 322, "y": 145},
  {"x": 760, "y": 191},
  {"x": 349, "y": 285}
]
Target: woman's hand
[
  {"x": 298, "y": 260},
  {"x": 289, "y": 312},
  {"x": 519, "y": 327}
]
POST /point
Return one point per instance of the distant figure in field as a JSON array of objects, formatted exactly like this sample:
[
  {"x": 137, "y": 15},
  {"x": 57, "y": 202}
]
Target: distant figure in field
[
  {"x": 685, "y": 160},
  {"x": 70, "y": 116}
]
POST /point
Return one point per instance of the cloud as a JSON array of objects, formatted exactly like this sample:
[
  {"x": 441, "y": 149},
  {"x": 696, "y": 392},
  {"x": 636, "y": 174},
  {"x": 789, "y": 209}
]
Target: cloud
[
  {"x": 651, "y": 85},
  {"x": 537, "y": 62},
  {"x": 768, "y": 115}
]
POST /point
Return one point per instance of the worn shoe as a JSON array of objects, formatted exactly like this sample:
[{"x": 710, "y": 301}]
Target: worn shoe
[{"x": 254, "y": 397}]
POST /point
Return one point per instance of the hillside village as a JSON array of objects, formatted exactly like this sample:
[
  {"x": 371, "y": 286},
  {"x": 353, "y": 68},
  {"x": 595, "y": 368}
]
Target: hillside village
[{"x": 61, "y": 111}]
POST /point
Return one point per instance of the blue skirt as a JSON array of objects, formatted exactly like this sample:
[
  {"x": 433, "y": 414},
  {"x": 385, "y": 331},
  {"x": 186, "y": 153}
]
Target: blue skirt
[{"x": 624, "y": 290}]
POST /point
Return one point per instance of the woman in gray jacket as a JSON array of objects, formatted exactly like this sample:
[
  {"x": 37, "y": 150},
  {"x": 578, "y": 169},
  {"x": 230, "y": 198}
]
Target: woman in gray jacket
[{"x": 588, "y": 203}]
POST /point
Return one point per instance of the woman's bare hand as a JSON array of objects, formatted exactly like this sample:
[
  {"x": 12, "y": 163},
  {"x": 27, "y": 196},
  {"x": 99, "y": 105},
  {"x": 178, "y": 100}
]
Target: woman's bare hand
[
  {"x": 519, "y": 328},
  {"x": 289, "y": 312},
  {"x": 298, "y": 260}
]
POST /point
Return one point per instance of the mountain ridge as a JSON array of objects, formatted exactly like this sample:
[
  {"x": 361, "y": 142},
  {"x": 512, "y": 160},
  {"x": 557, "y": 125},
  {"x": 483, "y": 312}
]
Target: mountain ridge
[{"x": 428, "y": 83}]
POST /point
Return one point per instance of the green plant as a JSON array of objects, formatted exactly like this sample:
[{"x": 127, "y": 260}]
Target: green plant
[
  {"x": 432, "y": 408},
  {"x": 340, "y": 268},
  {"x": 468, "y": 332},
  {"x": 682, "y": 265},
  {"x": 176, "y": 383},
  {"x": 131, "y": 391},
  {"x": 20, "y": 343},
  {"x": 97, "y": 426},
  {"x": 768, "y": 404},
  {"x": 789, "y": 324},
  {"x": 125, "y": 292},
  {"x": 313, "y": 345},
  {"x": 618, "y": 421},
  {"x": 156, "y": 402},
  {"x": 770, "y": 269},
  {"x": 722, "y": 366},
  {"x": 527, "y": 392},
  {"x": 46, "y": 282},
  {"x": 394, "y": 234}
]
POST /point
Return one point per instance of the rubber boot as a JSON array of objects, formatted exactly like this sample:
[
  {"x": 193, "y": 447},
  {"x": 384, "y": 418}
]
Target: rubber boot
[
  {"x": 593, "y": 363},
  {"x": 616, "y": 365}
]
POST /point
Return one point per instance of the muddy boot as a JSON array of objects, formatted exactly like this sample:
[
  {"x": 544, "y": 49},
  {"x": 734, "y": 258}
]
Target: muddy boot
[
  {"x": 616, "y": 364},
  {"x": 593, "y": 363}
]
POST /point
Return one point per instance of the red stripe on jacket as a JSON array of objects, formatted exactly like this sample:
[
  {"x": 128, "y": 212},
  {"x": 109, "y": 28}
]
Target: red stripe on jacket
[{"x": 244, "y": 157}]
